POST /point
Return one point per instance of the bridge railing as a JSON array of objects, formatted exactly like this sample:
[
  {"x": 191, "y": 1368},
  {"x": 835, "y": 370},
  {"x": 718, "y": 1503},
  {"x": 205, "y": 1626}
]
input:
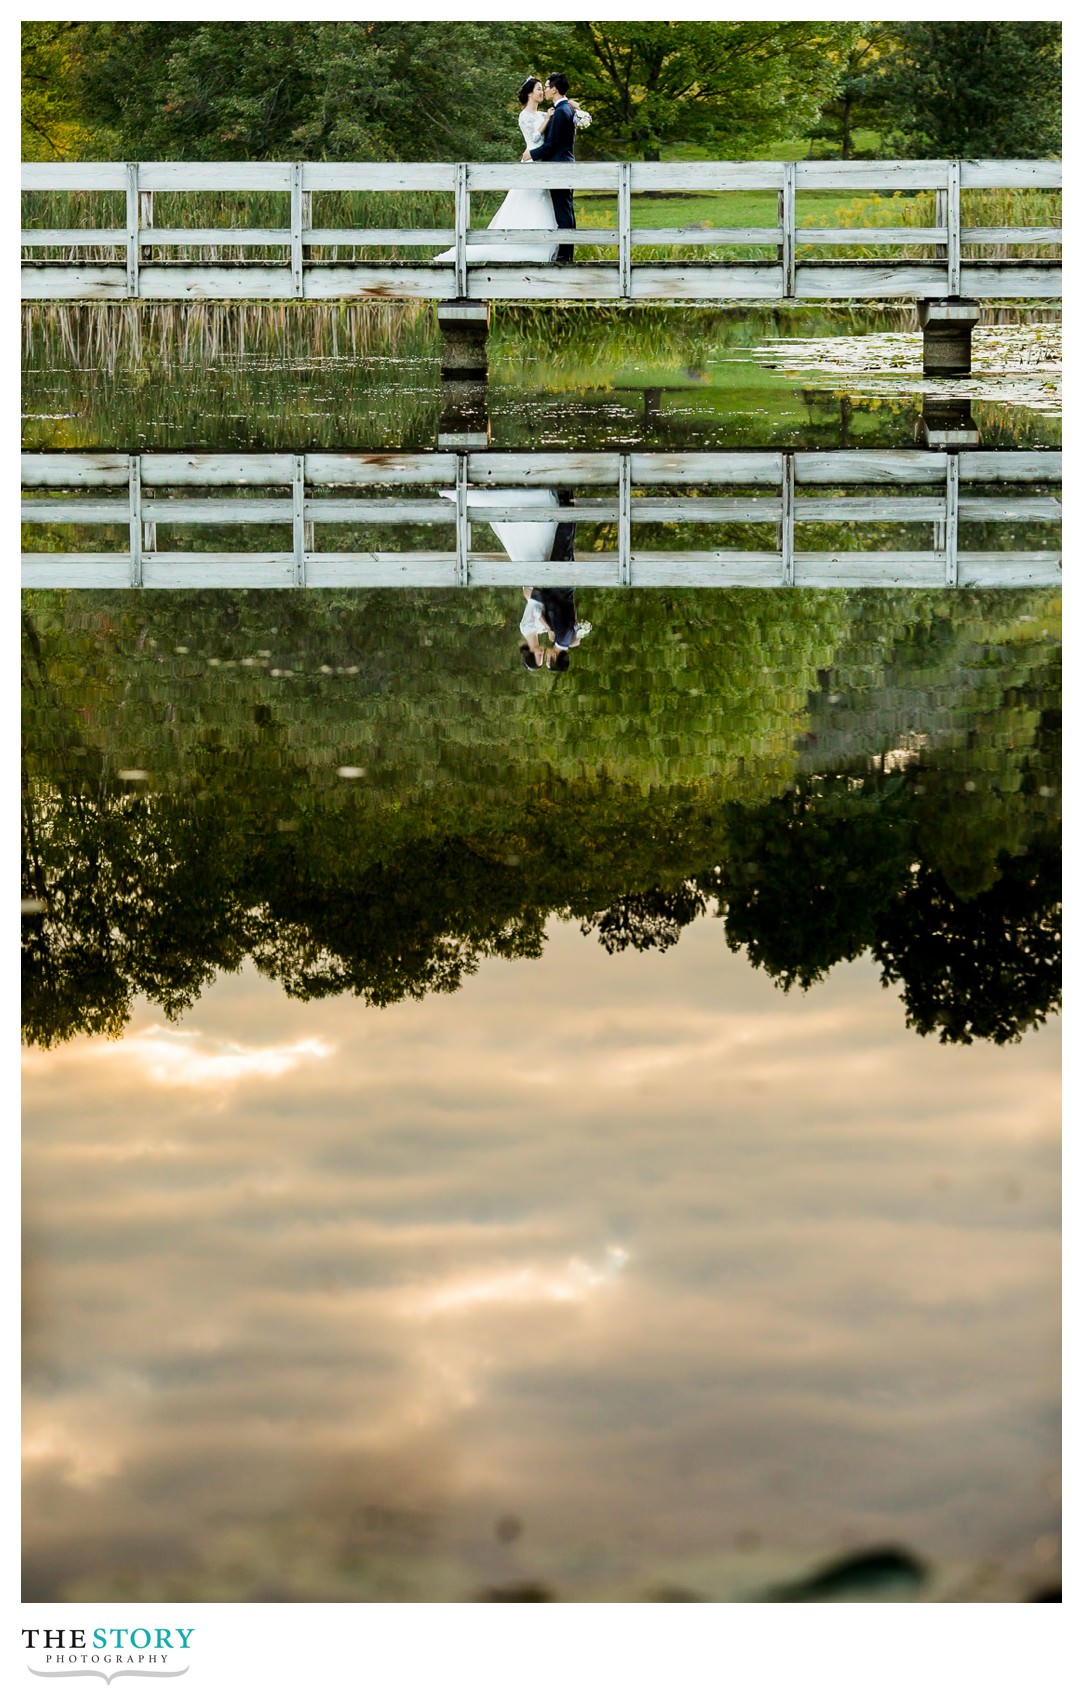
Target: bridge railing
[
  {"x": 785, "y": 491},
  {"x": 144, "y": 255}
]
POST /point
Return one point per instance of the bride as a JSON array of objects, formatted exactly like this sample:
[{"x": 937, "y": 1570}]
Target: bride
[{"x": 523, "y": 209}]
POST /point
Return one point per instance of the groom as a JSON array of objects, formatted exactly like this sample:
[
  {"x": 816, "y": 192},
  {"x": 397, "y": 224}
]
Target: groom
[{"x": 558, "y": 144}]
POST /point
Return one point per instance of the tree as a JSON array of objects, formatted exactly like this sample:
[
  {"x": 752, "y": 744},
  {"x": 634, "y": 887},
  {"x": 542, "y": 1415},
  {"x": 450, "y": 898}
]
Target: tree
[
  {"x": 980, "y": 90},
  {"x": 50, "y": 120},
  {"x": 858, "y": 99},
  {"x": 271, "y": 90},
  {"x": 651, "y": 84}
]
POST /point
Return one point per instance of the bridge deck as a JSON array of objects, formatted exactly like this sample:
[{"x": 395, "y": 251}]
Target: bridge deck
[
  {"x": 299, "y": 256},
  {"x": 616, "y": 494}
]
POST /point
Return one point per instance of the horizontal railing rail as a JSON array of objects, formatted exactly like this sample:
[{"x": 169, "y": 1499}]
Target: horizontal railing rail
[
  {"x": 146, "y": 263},
  {"x": 782, "y": 489}
]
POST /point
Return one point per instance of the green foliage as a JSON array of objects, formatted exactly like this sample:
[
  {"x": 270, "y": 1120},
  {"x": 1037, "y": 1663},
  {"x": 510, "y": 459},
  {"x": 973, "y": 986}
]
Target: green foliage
[
  {"x": 301, "y": 90},
  {"x": 858, "y": 97},
  {"x": 51, "y": 123},
  {"x": 650, "y": 84},
  {"x": 738, "y": 747},
  {"x": 987, "y": 90}
]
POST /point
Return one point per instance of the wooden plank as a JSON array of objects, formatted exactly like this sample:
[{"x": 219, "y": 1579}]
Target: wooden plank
[
  {"x": 395, "y": 175},
  {"x": 698, "y": 175},
  {"x": 753, "y": 569},
  {"x": 870, "y": 466},
  {"x": 333, "y": 510},
  {"x": 73, "y": 238},
  {"x": 105, "y": 511},
  {"x": 210, "y": 175},
  {"x": 1010, "y": 507},
  {"x": 344, "y": 236},
  {"x": 544, "y": 283},
  {"x": 378, "y": 467},
  {"x": 211, "y": 469},
  {"x": 1011, "y": 173},
  {"x": 520, "y": 510},
  {"x": 462, "y": 223},
  {"x": 212, "y": 571},
  {"x": 536, "y": 175},
  {"x": 83, "y": 282},
  {"x": 816, "y": 510},
  {"x": 624, "y": 228},
  {"x": 879, "y": 175},
  {"x": 954, "y": 222},
  {"x": 592, "y": 569},
  {"x": 210, "y": 510},
  {"x": 978, "y": 234},
  {"x": 737, "y": 281},
  {"x": 827, "y": 570},
  {"x": 111, "y": 571},
  {"x": 869, "y": 235},
  {"x": 132, "y": 231},
  {"x": 717, "y": 236},
  {"x": 343, "y": 281},
  {"x": 135, "y": 522},
  {"x": 421, "y": 572},
  {"x": 786, "y": 525},
  {"x": 586, "y": 238},
  {"x": 72, "y": 175},
  {"x": 990, "y": 571},
  {"x": 543, "y": 468},
  {"x": 74, "y": 471},
  {"x": 236, "y": 236},
  {"x": 705, "y": 510},
  {"x": 1027, "y": 280},
  {"x": 741, "y": 467},
  {"x": 858, "y": 280},
  {"x": 951, "y": 521},
  {"x": 215, "y": 282},
  {"x": 789, "y": 226},
  {"x": 1010, "y": 466}
]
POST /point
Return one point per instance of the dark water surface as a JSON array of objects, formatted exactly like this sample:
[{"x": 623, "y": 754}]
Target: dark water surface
[{"x": 589, "y": 1158}]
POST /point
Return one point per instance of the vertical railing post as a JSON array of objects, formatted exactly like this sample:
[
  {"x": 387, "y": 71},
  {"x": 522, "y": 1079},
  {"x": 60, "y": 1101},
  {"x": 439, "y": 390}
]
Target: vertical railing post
[
  {"x": 940, "y": 219},
  {"x": 299, "y": 574},
  {"x": 951, "y": 524},
  {"x": 462, "y": 523},
  {"x": 135, "y": 521},
  {"x": 787, "y": 517},
  {"x": 955, "y": 234},
  {"x": 789, "y": 230},
  {"x": 624, "y": 229},
  {"x": 146, "y": 215},
  {"x": 131, "y": 215},
  {"x": 462, "y": 222},
  {"x": 624, "y": 521},
  {"x": 297, "y": 251},
  {"x": 306, "y": 220}
]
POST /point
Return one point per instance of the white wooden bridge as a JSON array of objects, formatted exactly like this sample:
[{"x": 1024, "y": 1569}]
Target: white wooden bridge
[
  {"x": 302, "y": 256},
  {"x": 788, "y": 492}
]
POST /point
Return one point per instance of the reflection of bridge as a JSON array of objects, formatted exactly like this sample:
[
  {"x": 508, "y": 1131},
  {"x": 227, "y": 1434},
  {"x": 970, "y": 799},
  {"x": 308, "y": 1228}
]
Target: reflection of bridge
[
  {"x": 296, "y": 255},
  {"x": 786, "y": 492}
]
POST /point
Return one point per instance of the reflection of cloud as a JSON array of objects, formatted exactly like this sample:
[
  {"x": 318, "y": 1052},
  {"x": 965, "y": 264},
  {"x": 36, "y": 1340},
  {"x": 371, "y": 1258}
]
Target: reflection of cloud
[
  {"x": 176, "y": 1057},
  {"x": 524, "y": 1286},
  {"x": 367, "y": 1282}
]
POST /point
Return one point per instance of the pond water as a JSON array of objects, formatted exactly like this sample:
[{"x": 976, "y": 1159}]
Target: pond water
[{"x": 493, "y": 1135}]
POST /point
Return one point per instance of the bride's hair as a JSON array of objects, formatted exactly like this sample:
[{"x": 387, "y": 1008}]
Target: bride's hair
[{"x": 524, "y": 92}]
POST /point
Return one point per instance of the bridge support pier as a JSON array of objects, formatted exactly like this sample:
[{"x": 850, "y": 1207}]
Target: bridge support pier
[
  {"x": 464, "y": 329},
  {"x": 947, "y": 326},
  {"x": 464, "y": 415},
  {"x": 946, "y": 423}
]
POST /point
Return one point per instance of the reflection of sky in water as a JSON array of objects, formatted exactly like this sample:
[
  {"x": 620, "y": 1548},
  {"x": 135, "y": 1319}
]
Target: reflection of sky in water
[{"x": 615, "y": 1273}]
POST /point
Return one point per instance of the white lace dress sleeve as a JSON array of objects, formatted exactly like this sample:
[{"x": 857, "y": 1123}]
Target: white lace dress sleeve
[{"x": 530, "y": 125}]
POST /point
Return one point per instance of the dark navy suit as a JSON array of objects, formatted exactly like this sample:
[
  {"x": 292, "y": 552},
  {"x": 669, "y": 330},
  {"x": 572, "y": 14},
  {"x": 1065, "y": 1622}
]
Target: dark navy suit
[{"x": 558, "y": 145}]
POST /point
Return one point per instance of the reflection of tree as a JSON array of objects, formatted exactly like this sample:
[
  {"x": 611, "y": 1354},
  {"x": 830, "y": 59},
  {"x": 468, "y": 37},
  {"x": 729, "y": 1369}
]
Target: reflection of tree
[
  {"x": 670, "y": 778},
  {"x": 985, "y": 967}
]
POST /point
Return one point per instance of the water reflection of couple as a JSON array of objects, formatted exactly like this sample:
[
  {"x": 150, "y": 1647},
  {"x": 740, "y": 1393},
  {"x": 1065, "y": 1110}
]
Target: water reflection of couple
[{"x": 550, "y": 625}]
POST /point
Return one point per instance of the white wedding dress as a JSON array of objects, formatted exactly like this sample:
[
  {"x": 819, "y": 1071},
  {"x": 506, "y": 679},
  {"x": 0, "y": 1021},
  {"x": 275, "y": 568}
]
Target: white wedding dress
[
  {"x": 521, "y": 540},
  {"x": 521, "y": 209}
]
